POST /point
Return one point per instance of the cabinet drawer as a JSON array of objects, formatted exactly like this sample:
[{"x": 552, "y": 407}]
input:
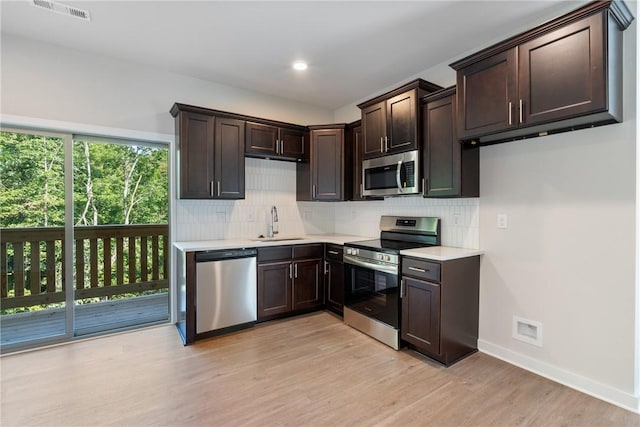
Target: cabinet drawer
[
  {"x": 333, "y": 252},
  {"x": 421, "y": 269},
  {"x": 274, "y": 253},
  {"x": 307, "y": 251}
]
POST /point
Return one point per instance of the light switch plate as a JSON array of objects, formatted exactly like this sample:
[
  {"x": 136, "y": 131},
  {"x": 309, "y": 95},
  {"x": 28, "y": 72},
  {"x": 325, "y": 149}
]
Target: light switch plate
[{"x": 502, "y": 221}]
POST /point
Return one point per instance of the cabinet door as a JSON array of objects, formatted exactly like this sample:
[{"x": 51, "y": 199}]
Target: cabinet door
[
  {"x": 327, "y": 163},
  {"x": 487, "y": 95},
  {"x": 274, "y": 289},
  {"x": 357, "y": 147},
  {"x": 292, "y": 143},
  {"x": 335, "y": 285},
  {"x": 195, "y": 154},
  {"x": 442, "y": 150},
  {"x": 421, "y": 315},
  {"x": 562, "y": 74},
  {"x": 374, "y": 129},
  {"x": 229, "y": 159},
  {"x": 307, "y": 284},
  {"x": 402, "y": 125},
  {"x": 261, "y": 139}
]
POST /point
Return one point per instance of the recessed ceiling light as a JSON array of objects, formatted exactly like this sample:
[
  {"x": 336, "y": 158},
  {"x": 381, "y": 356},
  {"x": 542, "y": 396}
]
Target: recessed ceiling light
[{"x": 300, "y": 65}]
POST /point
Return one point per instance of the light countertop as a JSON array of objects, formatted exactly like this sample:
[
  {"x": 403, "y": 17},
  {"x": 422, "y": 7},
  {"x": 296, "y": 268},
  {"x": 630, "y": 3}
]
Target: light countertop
[
  {"x": 441, "y": 253},
  {"x": 436, "y": 253},
  {"x": 208, "y": 245}
]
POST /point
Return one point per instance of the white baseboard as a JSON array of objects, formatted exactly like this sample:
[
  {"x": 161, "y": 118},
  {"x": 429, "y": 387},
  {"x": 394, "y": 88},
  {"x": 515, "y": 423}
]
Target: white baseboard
[{"x": 585, "y": 385}]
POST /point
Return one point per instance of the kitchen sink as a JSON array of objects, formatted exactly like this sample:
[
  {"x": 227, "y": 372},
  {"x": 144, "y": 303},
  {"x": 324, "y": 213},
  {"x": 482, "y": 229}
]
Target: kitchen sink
[{"x": 276, "y": 239}]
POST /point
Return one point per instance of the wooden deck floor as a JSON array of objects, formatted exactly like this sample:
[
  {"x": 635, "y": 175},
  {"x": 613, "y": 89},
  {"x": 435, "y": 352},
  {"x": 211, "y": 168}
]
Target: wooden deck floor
[
  {"x": 305, "y": 371},
  {"x": 90, "y": 318}
]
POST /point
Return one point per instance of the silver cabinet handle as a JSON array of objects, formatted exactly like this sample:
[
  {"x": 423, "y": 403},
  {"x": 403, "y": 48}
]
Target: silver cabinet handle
[
  {"x": 401, "y": 288},
  {"x": 400, "y": 190},
  {"x": 290, "y": 271},
  {"x": 295, "y": 271},
  {"x": 281, "y": 147},
  {"x": 424, "y": 187},
  {"x": 313, "y": 191},
  {"x": 521, "y": 109},
  {"x": 211, "y": 188},
  {"x": 333, "y": 252},
  {"x": 510, "y": 120},
  {"x": 421, "y": 270},
  {"x": 326, "y": 267},
  {"x": 381, "y": 145},
  {"x": 218, "y": 188},
  {"x": 386, "y": 144}
]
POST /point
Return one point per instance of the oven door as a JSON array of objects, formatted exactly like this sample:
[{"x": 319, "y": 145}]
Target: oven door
[{"x": 372, "y": 290}]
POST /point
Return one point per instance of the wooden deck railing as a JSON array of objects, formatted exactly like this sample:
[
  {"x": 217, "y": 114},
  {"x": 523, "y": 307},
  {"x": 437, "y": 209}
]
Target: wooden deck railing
[{"x": 110, "y": 260}]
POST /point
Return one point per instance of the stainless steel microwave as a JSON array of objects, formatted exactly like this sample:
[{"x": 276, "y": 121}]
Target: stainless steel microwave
[{"x": 392, "y": 175}]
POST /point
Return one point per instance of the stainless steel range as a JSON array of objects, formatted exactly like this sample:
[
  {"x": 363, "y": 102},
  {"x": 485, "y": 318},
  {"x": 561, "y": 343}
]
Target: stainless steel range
[{"x": 372, "y": 303}]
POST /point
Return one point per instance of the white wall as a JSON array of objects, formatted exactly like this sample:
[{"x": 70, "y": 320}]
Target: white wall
[
  {"x": 568, "y": 257},
  {"x": 49, "y": 82}
]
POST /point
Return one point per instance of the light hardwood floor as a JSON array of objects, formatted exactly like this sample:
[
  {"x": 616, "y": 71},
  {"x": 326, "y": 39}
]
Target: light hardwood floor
[{"x": 310, "y": 370}]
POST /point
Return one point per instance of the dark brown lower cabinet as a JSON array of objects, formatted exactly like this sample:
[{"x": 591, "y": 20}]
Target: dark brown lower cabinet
[
  {"x": 289, "y": 280},
  {"x": 307, "y": 284},
  {"x": 274, "y": 289},
  {"x": 421, "y": 314},
  {"x": 334, "y": 278},
  {"x": 440, "y": 307}
]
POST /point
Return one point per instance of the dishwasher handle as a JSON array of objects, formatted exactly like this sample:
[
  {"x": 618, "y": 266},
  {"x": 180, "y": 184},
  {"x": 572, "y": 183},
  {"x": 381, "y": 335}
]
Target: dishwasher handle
[{"x": 218, "y": 255}]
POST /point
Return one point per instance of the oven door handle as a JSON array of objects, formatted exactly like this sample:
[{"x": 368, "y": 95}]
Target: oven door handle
[
  {"x": 390, "y": 269},
  {"x": 400, "y": 189}
]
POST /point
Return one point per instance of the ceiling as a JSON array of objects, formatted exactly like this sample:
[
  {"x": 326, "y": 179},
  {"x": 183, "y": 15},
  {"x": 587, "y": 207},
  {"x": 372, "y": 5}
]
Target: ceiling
[{"x": 354, "y": 48}]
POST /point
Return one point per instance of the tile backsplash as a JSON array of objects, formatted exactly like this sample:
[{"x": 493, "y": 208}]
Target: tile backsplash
[
  {"x": 459, "y": 217},
  {"x": 269, "y": 183}
]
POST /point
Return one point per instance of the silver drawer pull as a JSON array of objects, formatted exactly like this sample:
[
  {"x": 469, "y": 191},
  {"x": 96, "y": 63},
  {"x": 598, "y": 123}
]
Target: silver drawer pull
[
  {"x": 333, "y": 252},
  {"x": 421, "y": 270}
]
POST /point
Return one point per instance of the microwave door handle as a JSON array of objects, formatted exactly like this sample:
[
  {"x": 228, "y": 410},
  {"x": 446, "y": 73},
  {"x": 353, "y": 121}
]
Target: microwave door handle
[{"x": 400, "y": 190}]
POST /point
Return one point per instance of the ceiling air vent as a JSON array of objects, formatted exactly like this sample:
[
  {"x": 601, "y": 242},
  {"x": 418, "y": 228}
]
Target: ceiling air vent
[{"x": 63, "y": 9}]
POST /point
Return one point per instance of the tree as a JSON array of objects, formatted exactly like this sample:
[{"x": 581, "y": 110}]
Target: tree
[{"x": 31, "y": 180}]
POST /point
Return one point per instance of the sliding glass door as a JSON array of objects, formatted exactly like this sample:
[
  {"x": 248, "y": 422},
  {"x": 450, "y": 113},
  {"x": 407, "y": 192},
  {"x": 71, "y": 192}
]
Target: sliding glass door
[
  {"x": 121, "y": 234},
  {"x": 84, "y": 236},
  {"x": 35, "y": 301}
]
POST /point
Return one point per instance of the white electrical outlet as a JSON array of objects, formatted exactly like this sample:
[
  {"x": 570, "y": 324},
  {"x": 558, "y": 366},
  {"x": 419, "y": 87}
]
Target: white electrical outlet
[
  {"x": 251, "y": 215},
  {"x": 502, "y": 221},
  {"x": 457, "y": 219},
  {"x": 529, "y": 331}
]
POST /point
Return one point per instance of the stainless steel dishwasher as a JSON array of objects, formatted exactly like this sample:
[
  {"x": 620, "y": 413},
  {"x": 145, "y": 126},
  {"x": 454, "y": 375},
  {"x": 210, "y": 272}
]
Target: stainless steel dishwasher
[{"x": 226, "y": 291}]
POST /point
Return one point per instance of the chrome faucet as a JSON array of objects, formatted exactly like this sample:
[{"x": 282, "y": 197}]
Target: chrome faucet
[{"x": 273, "y": 229}]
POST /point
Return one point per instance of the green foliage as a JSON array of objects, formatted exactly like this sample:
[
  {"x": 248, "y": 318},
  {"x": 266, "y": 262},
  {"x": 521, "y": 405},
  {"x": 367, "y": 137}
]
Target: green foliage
[
  {"x": 112, "y": 184},
  {"x": 31, "y": 180}
]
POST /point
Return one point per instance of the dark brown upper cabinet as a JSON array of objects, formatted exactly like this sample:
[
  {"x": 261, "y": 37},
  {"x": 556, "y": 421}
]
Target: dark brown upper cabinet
[
  {"x": 210, "y": 153},
  {"x": 450, "y": 170},
  {"x": 390, "y": 122},
  {"x": 562, "y": 75},
  {"x": 324, "y": 177},
  {"x": 268, "y": 141}
]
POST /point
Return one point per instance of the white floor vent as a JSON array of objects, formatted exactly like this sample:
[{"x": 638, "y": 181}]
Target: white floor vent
[
  {"x": 63, "y": 9},
  {"x": 528, "y": 331}
]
